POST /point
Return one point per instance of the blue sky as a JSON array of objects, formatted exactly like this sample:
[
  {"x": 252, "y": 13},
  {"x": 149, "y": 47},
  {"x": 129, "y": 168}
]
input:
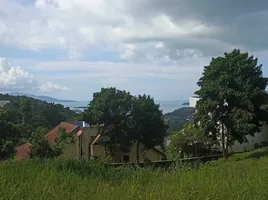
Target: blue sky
[{"x": 69, "y": 49}]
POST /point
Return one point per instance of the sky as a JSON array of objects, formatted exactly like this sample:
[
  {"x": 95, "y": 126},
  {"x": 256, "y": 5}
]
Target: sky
[{"x": 69, "y": 49}]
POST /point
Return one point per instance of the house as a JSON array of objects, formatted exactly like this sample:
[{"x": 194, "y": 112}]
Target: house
[
  {"x": 87, "y": 145},
  {"x": 23, "y": 151},
  {"x": 136, "y": 153},
  {"x": 259, "y": 138},
  {"x": 3, "y": 103}
]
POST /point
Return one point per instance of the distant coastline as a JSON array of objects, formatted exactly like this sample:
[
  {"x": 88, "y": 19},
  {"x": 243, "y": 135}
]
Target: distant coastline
[
  {"x": 166, "y": 106},
  {"x": 42, "y": 98}
]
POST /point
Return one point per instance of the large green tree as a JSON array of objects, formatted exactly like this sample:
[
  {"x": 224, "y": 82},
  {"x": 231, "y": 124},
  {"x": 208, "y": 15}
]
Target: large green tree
[
  {"x": 126, "y": 118},
  {"x": 111, "y": 108},
  {"x": 232, "y": 92},
  {"x": 149, "y": 125}
]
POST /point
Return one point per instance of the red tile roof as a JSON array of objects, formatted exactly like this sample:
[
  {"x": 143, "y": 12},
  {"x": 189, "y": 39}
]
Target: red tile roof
[
  {"x": 23, "y": 151},
  {"x": 53, "y": 134}
]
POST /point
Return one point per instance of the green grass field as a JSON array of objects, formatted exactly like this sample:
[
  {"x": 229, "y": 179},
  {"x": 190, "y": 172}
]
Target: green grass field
[{"x": 244, "y": 176}]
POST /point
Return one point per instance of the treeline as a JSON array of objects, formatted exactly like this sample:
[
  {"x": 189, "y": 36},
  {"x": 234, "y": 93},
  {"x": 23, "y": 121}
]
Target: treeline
[{"x": 20, "y": 118}]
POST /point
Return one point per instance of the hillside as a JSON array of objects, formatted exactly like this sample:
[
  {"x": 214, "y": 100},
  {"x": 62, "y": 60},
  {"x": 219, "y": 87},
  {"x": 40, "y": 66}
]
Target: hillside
[
  {"x": 42, "y": 97},
  {"x": 246, "y": 178},
  {"x": 178, "y": 118},
  {"x": 25, "y": 115}
]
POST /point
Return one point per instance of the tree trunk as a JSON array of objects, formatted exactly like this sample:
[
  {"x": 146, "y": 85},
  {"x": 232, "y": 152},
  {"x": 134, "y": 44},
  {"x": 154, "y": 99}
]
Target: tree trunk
[
  {"x": 138, "y": 151},
  {"x": 223, "y": 143},
  {"x": 227, "y": 144}
]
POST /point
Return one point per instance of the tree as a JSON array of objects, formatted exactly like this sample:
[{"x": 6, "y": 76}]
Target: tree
[
  {"x": 9, "y": 137},
  {"x": 126, "y": 118},
  {"x": 232, "y": 92},
  {"x": 149, "y": 126},
  {"x": 190, "y": 141},
  {"x": 42, "y": 148},
  {"x": 112, "y": 109}
]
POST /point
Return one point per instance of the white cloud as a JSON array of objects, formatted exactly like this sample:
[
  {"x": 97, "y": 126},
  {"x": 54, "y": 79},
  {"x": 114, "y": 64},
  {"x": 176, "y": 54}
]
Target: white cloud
[
  {"x": 184, "y": 69},
  {"x": 185, "y": 28},
  {"x": 14, "y": 78},
  {"x": 50, "y": 87}
]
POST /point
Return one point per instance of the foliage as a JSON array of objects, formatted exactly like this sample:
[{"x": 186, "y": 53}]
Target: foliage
[
  {"x": 64, "y": 139},
  {"x": 190, "y": 141},
  {"x": 149, "y": 125},
  {"x": 23, "y": 116},
  {"x": 178, "y": 118},
  {"x": 246, "y": 178},
  {"x": 35, "y": 113},
  {"x": 232, "y": 92},
  {"x": 112, "y": 109},
  {"x": 9, "y": 134},
  {"x": 42, "y": 148},
  {"x": 126, "y": 118}
]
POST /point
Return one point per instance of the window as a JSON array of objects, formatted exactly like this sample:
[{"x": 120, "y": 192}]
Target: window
[{"x": 126, "y": 158}]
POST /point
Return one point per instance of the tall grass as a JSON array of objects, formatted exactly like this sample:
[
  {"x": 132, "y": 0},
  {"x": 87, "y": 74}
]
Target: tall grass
[{"x": 243, "y": 177}]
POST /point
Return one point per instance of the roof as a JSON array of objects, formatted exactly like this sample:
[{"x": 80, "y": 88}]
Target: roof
[
  {"x": 23, "y": 151},
  {"x": 53, "y": 134}
]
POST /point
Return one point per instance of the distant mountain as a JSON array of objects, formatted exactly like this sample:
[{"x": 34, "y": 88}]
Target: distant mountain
[
  {"x": 185, "y": 104},
  {"x": 41, "y": 97}
]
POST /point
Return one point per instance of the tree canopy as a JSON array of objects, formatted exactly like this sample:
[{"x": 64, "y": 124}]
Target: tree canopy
[
  {"x": 189, "y": 141},
  {"x": 233, "y": 98},
  {"x": 126, "y": 118}
]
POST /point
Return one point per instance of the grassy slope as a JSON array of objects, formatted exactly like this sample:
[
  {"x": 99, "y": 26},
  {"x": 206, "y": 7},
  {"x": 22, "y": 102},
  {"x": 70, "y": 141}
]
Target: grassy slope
[{"x": 245, "y": 176}]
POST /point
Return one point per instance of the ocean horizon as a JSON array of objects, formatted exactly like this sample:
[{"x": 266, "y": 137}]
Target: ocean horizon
[{"x": 167, "y": 105}]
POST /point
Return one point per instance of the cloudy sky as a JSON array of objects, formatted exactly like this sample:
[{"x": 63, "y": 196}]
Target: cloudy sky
[{"x": 71, "y": 48}]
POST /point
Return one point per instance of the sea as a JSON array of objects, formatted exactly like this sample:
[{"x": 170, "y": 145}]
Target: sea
[{"x": 167, "y": 106}]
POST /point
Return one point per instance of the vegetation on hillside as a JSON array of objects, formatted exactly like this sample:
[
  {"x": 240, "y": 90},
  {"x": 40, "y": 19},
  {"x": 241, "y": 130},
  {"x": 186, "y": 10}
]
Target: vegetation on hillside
[
  {"x": 243, "y": 177},
  {"x": 178, "y": 118},
  {"x": 23, "y": 117},
  {"x": 233, "y": 99}
]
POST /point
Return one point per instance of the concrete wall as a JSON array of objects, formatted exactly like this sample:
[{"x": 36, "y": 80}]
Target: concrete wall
[
  {"x": 88, "y": 132},
  {"x": 71, "y": 150},
  {"x": 258, "y": 138},
  {"x": 144, "y": 154}
]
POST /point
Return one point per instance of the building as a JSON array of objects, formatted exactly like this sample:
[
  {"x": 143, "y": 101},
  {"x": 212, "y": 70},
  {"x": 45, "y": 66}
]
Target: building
[
  {"x": 193, "y": 101},
  {"x": 3, "y": 103},
  {"x": 258, "y": 139},
  {"x": 87, "y": 145}
]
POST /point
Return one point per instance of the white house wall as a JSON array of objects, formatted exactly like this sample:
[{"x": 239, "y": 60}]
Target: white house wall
[{"x": 192, "y": 101}]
